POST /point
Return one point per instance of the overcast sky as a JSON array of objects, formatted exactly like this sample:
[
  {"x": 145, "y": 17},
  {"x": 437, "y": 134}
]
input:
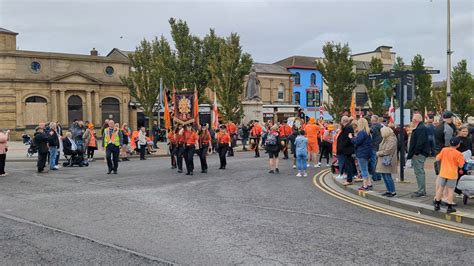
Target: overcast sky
[{"x": 269, "y": 30}]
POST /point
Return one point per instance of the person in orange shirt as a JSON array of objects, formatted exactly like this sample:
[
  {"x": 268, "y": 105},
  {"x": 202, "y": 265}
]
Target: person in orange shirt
[
  {"x": 172, "y": 146},
  {"x": 179, "y": 148},
  {"x": 312, "y": 133},
  {"x": 190, "y": 143},
  {"x": 451, "y": 159},
  {"x": 285, "y": 131},
  {"x": 223, "y": 142},
  {"x": 232, "y": 130},
  {"x": 205, "y": 145},
  {"x": 255, "y": 135}
]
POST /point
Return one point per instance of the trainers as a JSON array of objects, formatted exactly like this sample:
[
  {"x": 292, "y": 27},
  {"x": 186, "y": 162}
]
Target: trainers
[
  {"x": 418, "y": 195},
  {"x": 271, "y": 172},
  {"x": 385, "y": 194},
  {"x": 307, "y": 165},
  {"x": 294, "y": 166},
  {"x": 450, "y": 209},
  {"x": 305, "y": 174},
  {"x": 298, "y": 174},
  {"x": 328, "y": 165},
  {"x": 362, "y": 188},
  {"x": 392, "y": 194},
  {"x": 317, "y": 165}
]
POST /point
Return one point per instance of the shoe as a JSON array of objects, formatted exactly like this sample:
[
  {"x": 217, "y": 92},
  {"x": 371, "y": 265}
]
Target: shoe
[
  {"x": 347, "y": 183},
  {"x": 362, "y": 188},
  {"x": 298, "y": 174},
  {"x": 294, "y": 166},
  {"x": 277, "y": 171},
  {"x": 450, "y": 209},
  {"x": 191, "y": 173},
  {"x": 256, "y": 156},
  {"x": 142, "y": 159},
  {"x": 204, "y": 171},
  {"x": 115, "y": 172},
  {"x": 437, "y": 206},
  {"x": 317, "y": 165},
  {"x": 392, "y": 194},
  {"x": 188, "y": 174},
  {"x": 108, "y": 172},
  {"x": 418, "y": 195},
  {"x": 370, "y": 187},
  {"x": 180, "y": 171},
  {"x": 445, "y": 203},
  {"x": 305, "y": 174},
  {"x": 271, "y": 172},
  {"x": 307, "y": 165},
  {"x": 385, "y": 194},
  {"x": 56, "y": 167},
  {"x": 328, "y": 165},
  {"x": 173, "y": 167}
]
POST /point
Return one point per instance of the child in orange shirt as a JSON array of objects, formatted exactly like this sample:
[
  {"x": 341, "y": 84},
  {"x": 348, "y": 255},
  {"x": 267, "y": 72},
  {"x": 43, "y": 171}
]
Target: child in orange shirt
[{"x": 451, "y": 159}]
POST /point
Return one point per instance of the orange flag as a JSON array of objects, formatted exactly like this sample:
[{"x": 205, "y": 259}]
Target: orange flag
[
  {"x": 353, "y": 107},
  {"x": 166, "y": 115},
  {"x": 196, "y": 107}
]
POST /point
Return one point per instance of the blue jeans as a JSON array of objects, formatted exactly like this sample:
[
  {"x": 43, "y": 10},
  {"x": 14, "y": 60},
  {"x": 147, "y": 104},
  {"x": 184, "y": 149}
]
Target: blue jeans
[
  {"x": 373, "y": 166},
  {"x": 389, "y": 184},
  {"x": 364, "y": 167},
  {"x": 52, "y": 157},
  {"x": 340, "y": 162},
  {"x": 301, "y": 162}
]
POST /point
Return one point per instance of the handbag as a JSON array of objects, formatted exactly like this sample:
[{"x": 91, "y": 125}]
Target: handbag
[
  {"x": 387, "y": 160},
  {"x": 437, "y": 167}
]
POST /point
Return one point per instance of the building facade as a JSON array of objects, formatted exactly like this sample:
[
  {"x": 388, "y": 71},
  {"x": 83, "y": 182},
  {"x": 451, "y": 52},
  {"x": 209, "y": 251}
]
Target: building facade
[{"x": 43, "y": 86}]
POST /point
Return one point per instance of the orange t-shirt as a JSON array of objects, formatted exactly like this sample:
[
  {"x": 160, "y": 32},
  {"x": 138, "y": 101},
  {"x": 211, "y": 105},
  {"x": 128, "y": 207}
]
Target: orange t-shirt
[
  {"x": 172, "y": 138},
  {"x": 451, "y": 159},
  {"x": 223, "y": 138},
  {"x": 205, "y": 138},
  {"x": 256, "y": 130},
  {"x": 312, "y": 132},
  {"x": 284, "y": 131},
  {"x": 334, "y": 143},
  {"x": 231, "y": 128},
  {"x": 190, "y": 137}
]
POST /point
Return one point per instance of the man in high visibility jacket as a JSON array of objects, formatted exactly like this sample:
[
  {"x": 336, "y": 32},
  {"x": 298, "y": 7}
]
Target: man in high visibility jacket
[
  {"x": 113, "y": 140},
  {"x": 285, "y": 131}
]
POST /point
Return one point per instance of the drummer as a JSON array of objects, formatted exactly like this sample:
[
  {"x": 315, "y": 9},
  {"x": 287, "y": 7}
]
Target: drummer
[
  {"x": 172, "y": 146},
  {"x": 190, "y": 142},
  {"x": 285, "y": 132},
  {"x": 255, "y": 135}
]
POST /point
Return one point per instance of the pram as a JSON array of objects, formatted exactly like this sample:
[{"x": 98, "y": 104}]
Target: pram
[
  {"x": 466, "y": 182},
  {"x": 28, "y": 141},
  {"x": 75, "y": 158}
]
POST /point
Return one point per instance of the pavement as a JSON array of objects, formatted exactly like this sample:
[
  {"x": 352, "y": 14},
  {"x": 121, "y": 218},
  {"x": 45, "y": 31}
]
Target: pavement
[
  {"x": 423, "y": 205},
  {"x": 150, "y": 214}
]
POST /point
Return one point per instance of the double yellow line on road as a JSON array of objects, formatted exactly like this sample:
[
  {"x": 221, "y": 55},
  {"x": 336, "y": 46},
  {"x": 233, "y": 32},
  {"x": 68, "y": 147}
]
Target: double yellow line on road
[{"x": 318, "y": 181}]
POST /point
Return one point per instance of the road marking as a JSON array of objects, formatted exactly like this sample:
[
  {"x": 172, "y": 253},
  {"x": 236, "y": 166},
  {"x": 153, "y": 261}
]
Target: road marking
[{"x": 318, "y": 181}]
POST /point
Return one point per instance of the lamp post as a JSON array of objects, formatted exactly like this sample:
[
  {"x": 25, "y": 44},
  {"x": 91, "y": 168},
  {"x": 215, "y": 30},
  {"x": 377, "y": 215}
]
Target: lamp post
[{"x": 449, "y": 52}]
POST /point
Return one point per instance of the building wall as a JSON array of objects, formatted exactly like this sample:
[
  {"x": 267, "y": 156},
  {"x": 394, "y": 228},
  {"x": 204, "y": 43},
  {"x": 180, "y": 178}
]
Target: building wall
[{"x": 305, "y": 87}]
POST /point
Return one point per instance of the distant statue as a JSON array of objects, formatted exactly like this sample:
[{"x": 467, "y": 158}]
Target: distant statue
[{"x": 253, "y": 92}]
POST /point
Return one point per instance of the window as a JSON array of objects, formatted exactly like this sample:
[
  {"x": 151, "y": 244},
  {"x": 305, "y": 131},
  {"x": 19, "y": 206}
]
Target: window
[
  {"x": 109, "y": 70},
  {"x": 313, "y": 79},
  {"x": 36, "y": 110},
  {"x": 111, "y": 109},
  {"x": 297, "y": 78},
  {"x": 313, "y": 98},
  {"x": 35, "y": 99},
  {"x": 74, "y": 108},
  {"x": 297, "y": 98},
  {"x": 281, "y": 92},
  {"x": 35, "y": 67},
  {"x": 361, "y": 98}
]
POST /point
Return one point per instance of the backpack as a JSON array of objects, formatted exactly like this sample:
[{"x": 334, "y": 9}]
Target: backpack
[{"x": 271, "y": 139}]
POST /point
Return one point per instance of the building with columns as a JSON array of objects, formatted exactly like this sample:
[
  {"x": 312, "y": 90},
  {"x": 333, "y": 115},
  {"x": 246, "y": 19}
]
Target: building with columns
[{"x": 43, "y": 86}]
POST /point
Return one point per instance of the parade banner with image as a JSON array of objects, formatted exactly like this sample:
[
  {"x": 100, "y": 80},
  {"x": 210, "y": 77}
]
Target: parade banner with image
[{"x": 184, "y": 107}]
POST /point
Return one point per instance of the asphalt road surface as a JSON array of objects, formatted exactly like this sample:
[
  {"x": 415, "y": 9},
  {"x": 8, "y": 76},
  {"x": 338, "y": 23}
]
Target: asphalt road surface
[{"x": 149, "y": 214}]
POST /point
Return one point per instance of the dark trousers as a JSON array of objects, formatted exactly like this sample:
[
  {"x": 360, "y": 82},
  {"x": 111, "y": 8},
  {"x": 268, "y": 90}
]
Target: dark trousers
[
  {"x": 173, "y": 148},
  {"x": 3, "y": 157},
  {"x": 203, "y": 156},
  {"x": 189, "y": 151},
  {"x": 257, "y": 147},
  {"x": 349, "y": 167},
  {"x": 90, "y": 152},
  {"x": 233, "y": 143},
  {"x": 179, "y": 156},
  {"x": 222, "y": 150},
  {"x": 112, "y": 153},
  {"x": 325, "y": 151},
  {"x": 42, "y": 157},
  {"x": 142, "y": 151},
  {"x": 284, "y": 149}
]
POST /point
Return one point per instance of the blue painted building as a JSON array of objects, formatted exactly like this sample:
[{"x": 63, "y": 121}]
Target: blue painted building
[{"x": 308, "y": 89}]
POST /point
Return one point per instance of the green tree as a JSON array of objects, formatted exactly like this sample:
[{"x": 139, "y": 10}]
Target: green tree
[
  {"x": 438, "y": 94},
  {"x": 375, "y": 88},
  {"x": 422, "y": 98},
  {"x": 150, "y": 62},
  {"x": 399, "y": 65},
  {"x": 228, "y": 68},
  {"x": 336, "y": 68},
  {"x": 462, "y": 90}
]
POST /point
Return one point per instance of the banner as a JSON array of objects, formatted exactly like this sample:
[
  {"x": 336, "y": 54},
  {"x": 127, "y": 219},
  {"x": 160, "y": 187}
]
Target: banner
[{"x": 184, "y": 112}]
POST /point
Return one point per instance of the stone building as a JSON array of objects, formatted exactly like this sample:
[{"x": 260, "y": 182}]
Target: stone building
[{"x": 44, "y": 86}]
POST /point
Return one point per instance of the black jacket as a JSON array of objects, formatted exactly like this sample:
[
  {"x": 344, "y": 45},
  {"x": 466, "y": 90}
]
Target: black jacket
[
  {"x": 53, "y": 140},
  {"x": 344, "y": 144},
  {"x": 419, "y": 143},
  {"x": 41, "y": 142},
  {"x": 376, "y": 136}
]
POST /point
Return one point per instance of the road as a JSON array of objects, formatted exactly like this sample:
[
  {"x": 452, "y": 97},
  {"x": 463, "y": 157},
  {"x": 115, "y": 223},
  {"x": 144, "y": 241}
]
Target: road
[{"x": 149, "y": 214}]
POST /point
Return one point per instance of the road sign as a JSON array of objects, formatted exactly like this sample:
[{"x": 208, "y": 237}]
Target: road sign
[
  {"x": 384, "y": 75},
  {"x": 421, "y": 72}
]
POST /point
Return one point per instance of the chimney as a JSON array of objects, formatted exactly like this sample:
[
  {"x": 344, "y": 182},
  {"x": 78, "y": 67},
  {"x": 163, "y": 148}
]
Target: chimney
[{"x": 94, "y": 52}]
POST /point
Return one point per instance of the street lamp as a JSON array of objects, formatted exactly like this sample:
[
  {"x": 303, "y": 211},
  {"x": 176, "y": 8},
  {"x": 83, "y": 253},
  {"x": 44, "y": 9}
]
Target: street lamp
[{"x": 449, "y": 52}]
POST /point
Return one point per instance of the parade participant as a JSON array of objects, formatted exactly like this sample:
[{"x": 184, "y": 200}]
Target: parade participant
[
  {"x": 205, "y": 146},
  {"x": 245, "y": 136},
  {"x": 41, "y": 142},
  {"x": 113, "y": 140},
  {"x": 387, "y": 162},
  {"x": 142, "y": 143},
  {"x": 256, "y": 134},
  {"x": 363, "y": 149},
  {"x": 272, "y": 145},
  {"x": 90, "y": 141},
  {"x": 172, "y": 146},
  {"x": 3, "y": 151},
  {"x": 180, "y": 148},
  {"x": 232, "y": 130},
  {"x": 301, "y": 150},
  {"x": 126, "y": 136},
  {"x": 190, "y": 142},
  {"x": 285, "y": 132},
  {"x": 223, "y": 142},
  {"x": 418, "y": 150},
  {"x": 312, "y": 132}
]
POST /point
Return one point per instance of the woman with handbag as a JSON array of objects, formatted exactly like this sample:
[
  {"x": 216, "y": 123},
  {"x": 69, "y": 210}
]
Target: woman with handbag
[{"x": 387, "y": 160}]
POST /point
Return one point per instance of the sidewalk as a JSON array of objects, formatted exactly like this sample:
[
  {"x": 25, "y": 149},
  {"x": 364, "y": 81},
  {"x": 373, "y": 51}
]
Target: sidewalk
[{"x": 424, "y": 205}]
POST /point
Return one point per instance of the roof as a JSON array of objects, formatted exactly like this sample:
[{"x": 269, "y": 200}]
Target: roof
[
  {"x": 270, "y": 69},
  {"x": 377, "y": 50},
  {"x": 298, "y": 61},
  {"x": 54, "y": 55},
  {"x": 362, "y": 65},
  {"x": 5, "y": 31},
  {"x": 122, "y": 52}
]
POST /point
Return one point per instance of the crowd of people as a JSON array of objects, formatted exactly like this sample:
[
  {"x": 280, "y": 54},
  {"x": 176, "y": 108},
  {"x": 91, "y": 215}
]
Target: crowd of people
[{"x": 365, "y": 149}]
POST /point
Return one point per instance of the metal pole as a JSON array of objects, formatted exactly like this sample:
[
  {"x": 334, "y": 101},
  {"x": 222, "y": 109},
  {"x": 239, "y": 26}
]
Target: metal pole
[
  {"x": 449, "y": 52},
  {"x": 401, "y": 134},
  {"x": 160, "y": 104}
]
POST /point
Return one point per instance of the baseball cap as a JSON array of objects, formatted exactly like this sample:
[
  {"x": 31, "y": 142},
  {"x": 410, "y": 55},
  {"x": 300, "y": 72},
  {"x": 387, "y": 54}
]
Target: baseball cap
[
  {"x": 455, "y": 141},
  {"x": 448, "y": 114}
]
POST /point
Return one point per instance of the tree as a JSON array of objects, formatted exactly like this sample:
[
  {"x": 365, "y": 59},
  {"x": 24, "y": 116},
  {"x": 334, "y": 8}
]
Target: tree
[
  {"x": 399, "y": 65},
  {"x": 336, "y": 68},
  {"x": 375, "y": 88},
  {"x": 150, "y": 62},
  {"x": 228, "y": 68},
  {"x": 462, "y": 90},
  {"x": 423, "y": 98},
  {"x": 438, "y": 94}
]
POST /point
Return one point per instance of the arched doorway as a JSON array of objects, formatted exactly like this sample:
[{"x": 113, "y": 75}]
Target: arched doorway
[
  {"x": 111, "y": 109},
  {"x": 74, "y": 108},
  {"x": 36, "y": 110}
]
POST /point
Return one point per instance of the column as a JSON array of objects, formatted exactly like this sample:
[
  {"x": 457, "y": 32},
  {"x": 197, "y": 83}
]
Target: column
[
  {"x": 54, "y": 106},
  {"x": 98, "y": 113},
  {"x": 89, "y": 105},
  {"x": 20, "y": 110},
  {"x": 125, "y": 113},
  {"x": 62, "y": 107}
]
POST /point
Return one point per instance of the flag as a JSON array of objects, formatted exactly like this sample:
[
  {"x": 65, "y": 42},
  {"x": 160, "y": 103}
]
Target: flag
[
  {"x": 166, "y": 115},
  {"x": 391, "y": 112},
  {"x": 215, "y": 113},
  {"x": 426, "y": 115},
  {"x": 173, "y": 99},
  {"x": 353, "y": 107},
  {"x": 196, "y": 107},
  {"x": 321, "y": 112}
]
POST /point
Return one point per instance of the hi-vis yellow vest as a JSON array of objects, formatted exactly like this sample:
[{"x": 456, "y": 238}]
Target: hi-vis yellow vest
[{"x": 115, "y": 137}]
